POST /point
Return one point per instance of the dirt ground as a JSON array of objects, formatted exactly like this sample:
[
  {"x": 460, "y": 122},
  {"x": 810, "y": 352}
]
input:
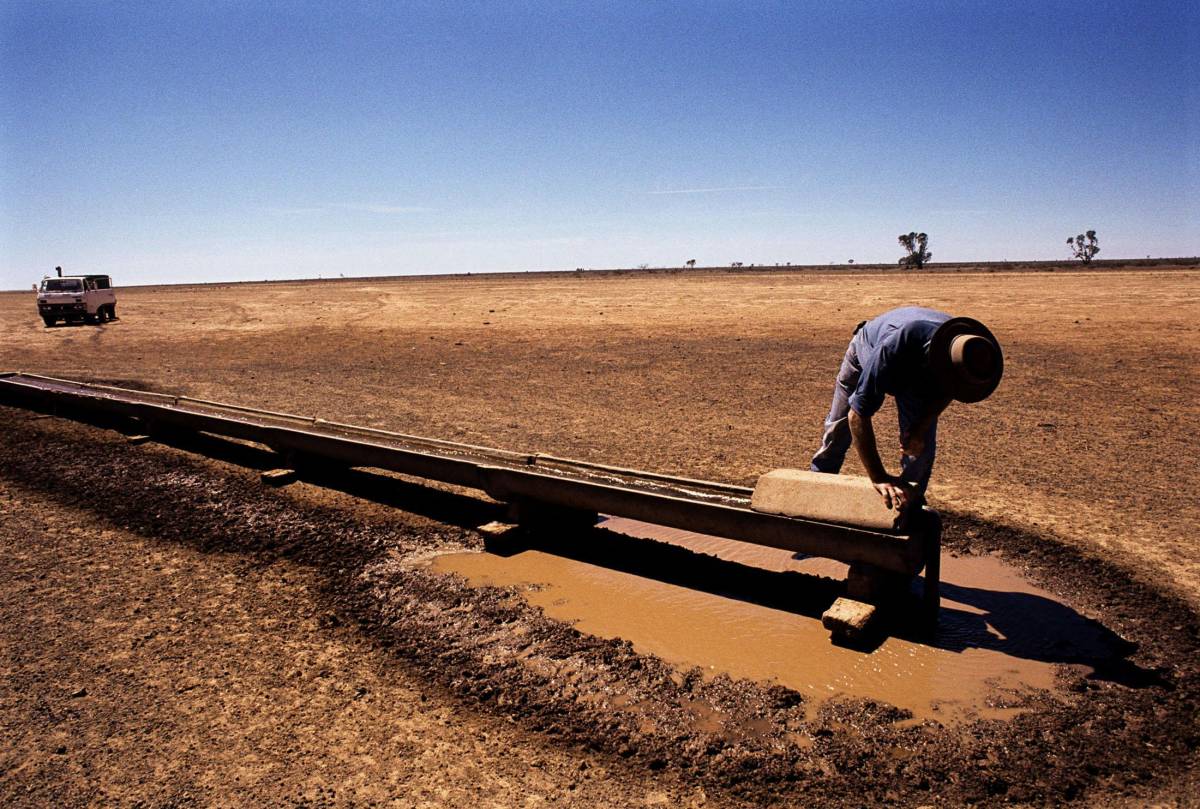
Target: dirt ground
[{"x": 175, "y": 634}]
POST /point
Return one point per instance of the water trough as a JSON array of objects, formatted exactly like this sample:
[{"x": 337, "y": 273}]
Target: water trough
[{"x": 539, "y": 488}]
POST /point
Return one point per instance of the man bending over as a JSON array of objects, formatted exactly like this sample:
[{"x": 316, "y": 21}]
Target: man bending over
[{"x": 924, "y": 359}]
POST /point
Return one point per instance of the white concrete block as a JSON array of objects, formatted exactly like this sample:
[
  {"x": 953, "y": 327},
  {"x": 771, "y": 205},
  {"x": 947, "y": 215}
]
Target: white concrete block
[{"x": 843, "y": 499}]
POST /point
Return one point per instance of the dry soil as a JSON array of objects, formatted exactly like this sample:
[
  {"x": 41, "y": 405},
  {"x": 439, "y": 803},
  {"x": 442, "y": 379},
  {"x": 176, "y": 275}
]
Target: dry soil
[{"x": 173, "y": 633}]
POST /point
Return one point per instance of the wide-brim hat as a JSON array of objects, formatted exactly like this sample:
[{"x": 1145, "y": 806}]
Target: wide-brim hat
[{"x": 966, "y": 359}]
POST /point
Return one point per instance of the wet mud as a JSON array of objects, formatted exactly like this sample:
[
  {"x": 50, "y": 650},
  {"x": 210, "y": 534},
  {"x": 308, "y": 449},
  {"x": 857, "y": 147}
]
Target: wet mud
[
  {"x": 992, "y": 651},
  {"x": 1120, "y": 719}
]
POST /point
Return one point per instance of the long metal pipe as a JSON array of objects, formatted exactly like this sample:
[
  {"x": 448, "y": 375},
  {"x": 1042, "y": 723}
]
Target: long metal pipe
[{"x": 705, "y": 507}]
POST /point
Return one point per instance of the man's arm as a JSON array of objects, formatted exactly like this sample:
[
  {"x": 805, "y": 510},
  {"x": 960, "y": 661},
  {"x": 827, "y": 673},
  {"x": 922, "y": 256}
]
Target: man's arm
[
  {"x": 913, "y": 443},
  {"x": 895, "y": 493}
]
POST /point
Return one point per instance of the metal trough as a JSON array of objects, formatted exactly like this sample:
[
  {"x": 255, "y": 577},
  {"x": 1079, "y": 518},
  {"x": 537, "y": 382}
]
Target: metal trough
[{"x": 523, "y": 479}]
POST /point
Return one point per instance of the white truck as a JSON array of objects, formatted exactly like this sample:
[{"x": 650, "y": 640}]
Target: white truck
[{"x": 77, "y": 298}]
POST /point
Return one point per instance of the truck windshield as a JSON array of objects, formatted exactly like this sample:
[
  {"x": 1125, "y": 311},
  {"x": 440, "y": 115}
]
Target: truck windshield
[{"x": 62, "y": 285}]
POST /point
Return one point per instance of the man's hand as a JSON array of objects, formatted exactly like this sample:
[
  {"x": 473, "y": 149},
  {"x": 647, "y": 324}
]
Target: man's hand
[{"x": 896, "y": 493}]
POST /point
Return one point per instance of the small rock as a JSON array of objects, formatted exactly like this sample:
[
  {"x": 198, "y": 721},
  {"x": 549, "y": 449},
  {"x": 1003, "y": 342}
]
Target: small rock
[{"x": 81, "y": 692}]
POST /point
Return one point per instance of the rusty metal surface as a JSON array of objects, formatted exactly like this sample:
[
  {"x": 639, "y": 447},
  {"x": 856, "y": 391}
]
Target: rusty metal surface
[{"x": 706, "y": 507}]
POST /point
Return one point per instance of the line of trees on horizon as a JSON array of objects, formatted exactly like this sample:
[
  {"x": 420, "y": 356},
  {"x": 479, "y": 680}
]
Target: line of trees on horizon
[{"x": 1084, "y": 247}]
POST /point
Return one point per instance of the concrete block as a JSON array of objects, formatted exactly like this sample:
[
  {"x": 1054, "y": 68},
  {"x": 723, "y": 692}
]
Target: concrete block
[
  {"x": 843, "y": 499},
  {"x": 137, "y": 439},
  {"x": 848, "y": 617},
  {"x": 495, "y": 528},
  {"x": 278, "y": 477}
]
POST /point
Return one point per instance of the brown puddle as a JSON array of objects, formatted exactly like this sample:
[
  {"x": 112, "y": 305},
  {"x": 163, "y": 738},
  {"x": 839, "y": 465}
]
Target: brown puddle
[{"x": 998, "y": 641}]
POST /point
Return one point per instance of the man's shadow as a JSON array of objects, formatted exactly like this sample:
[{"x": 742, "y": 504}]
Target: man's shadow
[{"x": 1034, "y": 627}]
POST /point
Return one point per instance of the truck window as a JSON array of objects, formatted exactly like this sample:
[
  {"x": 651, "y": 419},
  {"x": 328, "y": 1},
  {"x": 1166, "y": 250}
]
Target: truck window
[{"x": 61, "y": 285}]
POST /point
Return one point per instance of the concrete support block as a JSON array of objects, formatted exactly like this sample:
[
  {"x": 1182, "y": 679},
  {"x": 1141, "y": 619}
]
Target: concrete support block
[
  {"x": 495, "y": 528},
  {"x": 137, "y": 439},
  {"x": 847, "y": 617},
  {"x": 278, "y": 477},
  {"x": 843, "y": 499}
]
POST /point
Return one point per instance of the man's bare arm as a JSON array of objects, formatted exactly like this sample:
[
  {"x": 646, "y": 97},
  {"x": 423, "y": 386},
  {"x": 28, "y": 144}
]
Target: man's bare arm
[
  {"x": 913, "y": 444},
  {"x": 895, "y": 493}
]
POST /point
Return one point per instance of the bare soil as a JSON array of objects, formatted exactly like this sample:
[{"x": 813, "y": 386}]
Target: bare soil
[{"x": 175, "y": 633}]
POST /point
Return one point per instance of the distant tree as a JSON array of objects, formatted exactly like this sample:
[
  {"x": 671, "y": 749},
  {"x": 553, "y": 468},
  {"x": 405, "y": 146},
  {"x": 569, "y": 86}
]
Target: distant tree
[
  {"x": 643, "y": 266},
  {"x": 736, "y": 264},
  {"x": 915, "y": 244},
  {"x": 1085, "y": 246},
  {"x": 851, "y": 261},
  {"x": 691, "y": 262}
]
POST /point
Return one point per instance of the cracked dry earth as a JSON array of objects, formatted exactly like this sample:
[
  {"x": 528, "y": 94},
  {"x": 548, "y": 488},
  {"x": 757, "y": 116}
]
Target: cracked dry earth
[{"x": 175, "y": 633}]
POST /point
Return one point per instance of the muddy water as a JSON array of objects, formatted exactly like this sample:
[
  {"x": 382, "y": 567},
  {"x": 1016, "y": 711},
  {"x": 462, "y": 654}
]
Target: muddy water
[{"x": 998, "y": 641}]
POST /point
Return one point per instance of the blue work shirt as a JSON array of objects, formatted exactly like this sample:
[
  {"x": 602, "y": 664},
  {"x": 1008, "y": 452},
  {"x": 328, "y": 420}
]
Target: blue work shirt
[{"x": 893, "y": 352}]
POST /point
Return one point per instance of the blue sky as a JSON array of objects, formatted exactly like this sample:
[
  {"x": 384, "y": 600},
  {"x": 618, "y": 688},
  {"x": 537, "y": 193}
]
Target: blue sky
[{"x": 197, "y": 141}]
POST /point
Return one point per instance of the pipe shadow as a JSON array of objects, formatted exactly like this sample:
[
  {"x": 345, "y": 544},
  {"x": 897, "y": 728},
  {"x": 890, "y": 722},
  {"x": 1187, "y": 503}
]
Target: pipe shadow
[
  {"x": 452, "y": 508},
  {"x": 449, "y": 507},
  {"x": 791, "y": 591}
]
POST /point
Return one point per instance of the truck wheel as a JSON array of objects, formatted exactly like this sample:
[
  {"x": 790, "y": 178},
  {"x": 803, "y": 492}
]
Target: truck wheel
[
  {"x": 49, "y": 321},
  {"x": 89, "y": 319},
  {"x": 112, "y": 311},
  {"x": 102, "y": 314}
]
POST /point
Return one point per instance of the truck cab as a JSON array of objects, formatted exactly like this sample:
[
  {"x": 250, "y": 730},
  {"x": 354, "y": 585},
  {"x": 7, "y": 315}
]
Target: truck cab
[{"x": 77, "y": 298}]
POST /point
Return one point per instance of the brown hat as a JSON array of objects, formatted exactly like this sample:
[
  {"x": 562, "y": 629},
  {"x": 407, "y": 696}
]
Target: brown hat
[{"x": 966, "y": 359}]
